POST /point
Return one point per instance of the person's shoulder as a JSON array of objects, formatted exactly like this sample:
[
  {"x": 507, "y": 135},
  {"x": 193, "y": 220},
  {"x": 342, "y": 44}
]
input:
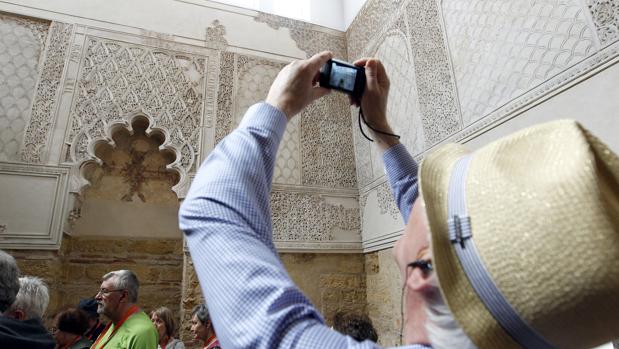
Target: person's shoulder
[
  {"x": 176, "y": 344},
  {"x": 139, "y": 323},
  {"x": 83, "y": 343}
]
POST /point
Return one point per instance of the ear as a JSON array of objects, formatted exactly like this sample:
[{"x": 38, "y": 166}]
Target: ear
[
  {"x": 419, "y": 281},
  {"x": 124, "y": 296}
]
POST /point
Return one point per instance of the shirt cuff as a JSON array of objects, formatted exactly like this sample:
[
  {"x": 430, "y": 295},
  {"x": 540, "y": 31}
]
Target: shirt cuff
[
  {"x": 399, "y": 162},
  {"x": 265, "y": 116}
]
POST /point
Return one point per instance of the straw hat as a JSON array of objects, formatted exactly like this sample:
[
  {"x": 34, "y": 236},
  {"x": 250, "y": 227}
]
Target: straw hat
[{"x": 544, "y": 216}]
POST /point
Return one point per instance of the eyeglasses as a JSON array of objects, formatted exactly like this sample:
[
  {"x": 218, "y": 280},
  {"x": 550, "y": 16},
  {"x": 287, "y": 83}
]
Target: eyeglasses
[
  {"x": 424, "y": 265},
  {"x": 105, "y": 292}
]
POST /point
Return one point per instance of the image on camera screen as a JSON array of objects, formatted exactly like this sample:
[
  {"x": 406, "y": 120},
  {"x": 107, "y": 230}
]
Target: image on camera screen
[{"x": 343, "y": 77}]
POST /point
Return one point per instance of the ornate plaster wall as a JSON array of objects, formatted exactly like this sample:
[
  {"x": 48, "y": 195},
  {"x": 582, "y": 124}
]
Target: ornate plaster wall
[
  {"x": 473, "y": 71},
  {"x": 72, "y": 73},
  {"x": 461, "y": 69},
  {"x": 118, "y": 182}
]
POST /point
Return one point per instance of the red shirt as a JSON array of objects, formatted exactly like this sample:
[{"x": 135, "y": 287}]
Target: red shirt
[{"x": 212, "y": 343}]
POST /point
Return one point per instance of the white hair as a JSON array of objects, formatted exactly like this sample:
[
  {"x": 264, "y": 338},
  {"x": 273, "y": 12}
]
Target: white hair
[
  {"x": 443, "y": 329},
  {"x": 32, "y": 298},
  {"x": 125, "y": 279}
]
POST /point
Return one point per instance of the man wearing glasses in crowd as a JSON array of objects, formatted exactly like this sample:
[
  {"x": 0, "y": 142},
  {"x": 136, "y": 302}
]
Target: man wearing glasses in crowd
[{"x": 129, "y": 325}]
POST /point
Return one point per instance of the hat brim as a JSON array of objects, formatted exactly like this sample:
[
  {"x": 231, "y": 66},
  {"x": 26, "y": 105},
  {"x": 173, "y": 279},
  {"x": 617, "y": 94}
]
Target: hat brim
[
  {"x": 543, "y": 206},
  {"x": 456, "y": 289}
]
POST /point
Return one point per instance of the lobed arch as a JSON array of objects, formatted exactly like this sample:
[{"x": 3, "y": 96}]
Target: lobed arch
[{"x": 127, "y": 123}]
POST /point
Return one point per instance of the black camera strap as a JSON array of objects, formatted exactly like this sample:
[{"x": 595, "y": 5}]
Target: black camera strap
[{"x": 362, "y": 117}]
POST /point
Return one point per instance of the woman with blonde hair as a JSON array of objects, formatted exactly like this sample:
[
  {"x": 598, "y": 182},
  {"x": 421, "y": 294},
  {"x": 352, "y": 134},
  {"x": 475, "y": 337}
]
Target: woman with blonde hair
[{"x": 165, "y": 323}]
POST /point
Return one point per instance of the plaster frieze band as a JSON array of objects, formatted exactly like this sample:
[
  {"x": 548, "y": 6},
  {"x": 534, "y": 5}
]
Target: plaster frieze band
[
  {"x": 308, "y": 39},
  {"x": 308, "y": 217}
]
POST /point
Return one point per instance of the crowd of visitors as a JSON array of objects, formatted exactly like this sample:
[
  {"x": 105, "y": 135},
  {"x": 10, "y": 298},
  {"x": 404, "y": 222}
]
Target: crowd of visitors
[{"x": 24, "y": 301}]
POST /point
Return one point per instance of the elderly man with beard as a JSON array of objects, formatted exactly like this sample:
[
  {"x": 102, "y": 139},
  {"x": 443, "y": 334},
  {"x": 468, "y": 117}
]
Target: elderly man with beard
[
  {"x": 129, "y": 326},
  {"x": 522, "y": 234}
]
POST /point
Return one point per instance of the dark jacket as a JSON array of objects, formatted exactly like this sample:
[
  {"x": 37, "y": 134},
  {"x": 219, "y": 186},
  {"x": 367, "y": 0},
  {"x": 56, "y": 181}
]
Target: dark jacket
[
  {"x": 83, "y": 343},
  {"x": 16, "y": 334}
]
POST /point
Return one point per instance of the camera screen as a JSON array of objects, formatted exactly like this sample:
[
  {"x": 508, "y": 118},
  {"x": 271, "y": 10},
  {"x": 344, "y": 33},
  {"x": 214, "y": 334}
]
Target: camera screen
[{"x": 343, "y": 77}]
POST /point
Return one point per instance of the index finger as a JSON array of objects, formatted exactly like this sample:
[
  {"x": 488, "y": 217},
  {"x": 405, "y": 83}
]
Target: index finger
[{"x": 317, "y": 60}]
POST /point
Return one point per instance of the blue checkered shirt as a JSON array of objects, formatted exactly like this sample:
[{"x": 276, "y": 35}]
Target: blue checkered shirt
[{"x": 226, "y": 218}]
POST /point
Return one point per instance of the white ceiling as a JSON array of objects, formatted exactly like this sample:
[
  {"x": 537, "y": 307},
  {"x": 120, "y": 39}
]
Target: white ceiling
[{"x": 336, "y": 14}]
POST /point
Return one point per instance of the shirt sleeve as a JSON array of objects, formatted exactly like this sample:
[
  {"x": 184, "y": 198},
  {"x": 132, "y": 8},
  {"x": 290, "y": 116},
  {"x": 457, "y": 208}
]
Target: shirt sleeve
[
  {"x": 226, "y": 219},
  {"x": 402, "y": 174}
]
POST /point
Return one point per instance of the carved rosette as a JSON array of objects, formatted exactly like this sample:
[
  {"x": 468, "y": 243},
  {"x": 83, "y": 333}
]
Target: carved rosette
[
  {"x": 605, "y": 15},
  {"x": 309, "y": 217},
  {"x": 308, "y": 39},
  {"x": 215, "y": 36},
  {"x": 119, "y": 80},
  {"x": 42, "y": 117}
]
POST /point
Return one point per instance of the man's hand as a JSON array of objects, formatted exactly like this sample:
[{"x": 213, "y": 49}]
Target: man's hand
[
  {"x": 296, "y": 86},
  {"x": 374, "y": 100}
]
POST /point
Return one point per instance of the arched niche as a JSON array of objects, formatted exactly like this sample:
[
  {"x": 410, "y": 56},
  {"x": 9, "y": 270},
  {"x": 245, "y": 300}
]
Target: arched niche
[{"x": 126, "y": 188}]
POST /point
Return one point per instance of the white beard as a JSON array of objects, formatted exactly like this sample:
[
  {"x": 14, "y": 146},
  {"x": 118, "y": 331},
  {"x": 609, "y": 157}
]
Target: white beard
[{"x": 443, "y": 329}]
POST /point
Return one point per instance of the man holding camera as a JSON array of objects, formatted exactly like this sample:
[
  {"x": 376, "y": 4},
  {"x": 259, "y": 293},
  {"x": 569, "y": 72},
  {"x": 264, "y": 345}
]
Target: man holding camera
[{"x": 527, "y": 258}]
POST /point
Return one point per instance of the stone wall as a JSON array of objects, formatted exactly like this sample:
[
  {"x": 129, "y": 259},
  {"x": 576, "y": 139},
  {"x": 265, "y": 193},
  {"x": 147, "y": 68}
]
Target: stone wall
[
  {"x": 47, "y": 265},
  {"x": 384, "y": 295},
  {"x": 75, "y": 271},
  {"x": 332, "y": 282}
]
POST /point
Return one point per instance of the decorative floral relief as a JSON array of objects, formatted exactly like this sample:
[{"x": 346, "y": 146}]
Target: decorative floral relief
[
  {"x": 435, "y": 84},
  {"x": 308, "y": 39},
  {"x": 386, "y": 202},
  {"x": 43, "y": 107},
  {"x": 119, "y": 79},
  {"x": 606, "y": 19},
  {"x": 326, "y": 143},
  {"x": 308, "y": 217},
  {"x": 215, "y": 36},
  {"x": 363, "y": 155},
  {"x": 224, "y": 120},
  {"x": 366, "y": 28}
]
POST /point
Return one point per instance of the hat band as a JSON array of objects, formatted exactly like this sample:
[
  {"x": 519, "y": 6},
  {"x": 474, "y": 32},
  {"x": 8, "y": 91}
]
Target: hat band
[{"x": 461, "y": 237}]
